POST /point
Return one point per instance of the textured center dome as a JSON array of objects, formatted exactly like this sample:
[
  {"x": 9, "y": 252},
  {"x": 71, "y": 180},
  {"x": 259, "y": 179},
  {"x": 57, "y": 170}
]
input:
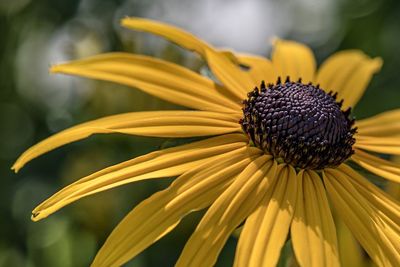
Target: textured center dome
[{"x": 299, "y": 123}]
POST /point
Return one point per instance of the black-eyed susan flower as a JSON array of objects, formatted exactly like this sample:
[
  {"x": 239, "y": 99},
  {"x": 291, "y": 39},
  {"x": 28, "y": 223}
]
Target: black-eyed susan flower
[{"x": 281, "y": 136}]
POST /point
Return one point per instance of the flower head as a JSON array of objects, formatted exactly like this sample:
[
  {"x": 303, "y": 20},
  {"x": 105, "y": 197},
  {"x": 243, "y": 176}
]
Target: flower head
[
  {"x": 301, "y": 124},
  {"x": 282, "y": 134}
]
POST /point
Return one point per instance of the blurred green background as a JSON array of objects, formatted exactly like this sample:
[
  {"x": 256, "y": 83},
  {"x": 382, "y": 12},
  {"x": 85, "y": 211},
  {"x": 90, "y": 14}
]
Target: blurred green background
[{"x": 33, "y": 104}]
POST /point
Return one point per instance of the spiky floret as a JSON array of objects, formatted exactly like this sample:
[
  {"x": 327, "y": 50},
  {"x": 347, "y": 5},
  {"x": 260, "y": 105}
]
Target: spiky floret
[{"x": 299, "y": 123}]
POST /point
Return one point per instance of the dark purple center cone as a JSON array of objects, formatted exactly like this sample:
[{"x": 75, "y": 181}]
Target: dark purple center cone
[{"x": 300, "y": 124}]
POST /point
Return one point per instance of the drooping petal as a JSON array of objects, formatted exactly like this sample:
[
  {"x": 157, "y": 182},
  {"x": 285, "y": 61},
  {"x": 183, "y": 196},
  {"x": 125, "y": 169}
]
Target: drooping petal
[
  {"x": 373, "y": 230},
  {"x": 386, "y": 124},
  {"x": 226, "y": 71},
  {"x": 153, "y": 76},
  {"x": 159, "y": 214},
  {"x": 293, "y": 59},
  {"x": 172, "y": 33},
  {"x": 164, "y": 163},
  {"x": 238, "y": 81},
  {"x": 227, "y": 212},
  {"x": 313, "y": 230},
  {"x": 385, "y": 208},
  {"x": 154, "y": 123},
  {"x": 383, "y": 201},
  {"x": 266, "y": 229},
  {"x": 348, "y": 73},
  {"x": 387, "y": 145},
  {"x": 381, "y": 167},
  {"x": 260, "y": 69}
]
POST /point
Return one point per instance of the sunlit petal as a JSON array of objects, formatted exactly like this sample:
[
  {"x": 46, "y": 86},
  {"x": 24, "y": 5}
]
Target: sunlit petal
[
  {"x": 227, "y": 212},
  {"x": 155, "y": 123},
  {"x": 313, "y": 230},
  {"x": 348, "y": 73},
  {"x": 260, "y": 69},
  {"x": 164, "y": 163},
  {"x": 363, "y": 218},
  {"x": 266, "y": 229},
  {"x": 387, "y": 145},
  {"x": 153, "y": 76},
  {"x": 380, "y": 199},
  {"x": 159, "y": 214},
  {"x": 293, "y": 59},
  {"x": 378, "y": 166},
  {"x": 386, "y": 124},
  {"x": 172, "y": 33},
  {"x": 224, "y": 69}
]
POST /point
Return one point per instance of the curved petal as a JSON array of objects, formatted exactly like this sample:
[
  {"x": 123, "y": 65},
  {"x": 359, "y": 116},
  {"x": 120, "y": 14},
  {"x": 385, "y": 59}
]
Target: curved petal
[
  {"x": 172, "y": 33},
  {"x": 385, "y": 124},
  {"x": 153, "y": 76},
  {"x": 381, "y": 167},
  {"x": 373, "y": 230},
  {"x": 386, "y": 204},
  {"x": 164, "y": 163},
  {"x": 227, "y": 212},
  {"x": 238, "y": 81},
  {"x": 294, "y": 60},
  {"x": 387, "y": 145},
  {"x": 386, "y": 208},
  {"x": 313, "y": 230},
  {"x": 159, "y": 214},
  {"x": 260, "y": 69},
  {"x": 226, "y": 71},
  {"x": 153, "y": 123},
  {"x": 265, "y": 231},
  {"x": 348, "y": 73}
]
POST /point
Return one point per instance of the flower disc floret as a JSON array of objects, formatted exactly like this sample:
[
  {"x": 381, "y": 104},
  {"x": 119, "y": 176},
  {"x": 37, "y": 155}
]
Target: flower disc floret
[{"x": 299, "y": 123}]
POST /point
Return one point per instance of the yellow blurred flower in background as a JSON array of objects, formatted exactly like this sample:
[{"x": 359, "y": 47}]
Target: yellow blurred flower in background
[{"x": 276, "y": 154}]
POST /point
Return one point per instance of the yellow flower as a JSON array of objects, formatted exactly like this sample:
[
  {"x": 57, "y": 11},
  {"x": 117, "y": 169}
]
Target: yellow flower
[{"x": 272, "y": 165}]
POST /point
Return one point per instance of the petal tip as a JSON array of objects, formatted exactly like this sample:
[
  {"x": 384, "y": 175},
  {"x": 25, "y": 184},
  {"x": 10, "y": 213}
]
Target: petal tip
[
  {"x": 274, "y": 40},
  {"x": 15, "y": 168},
  {"x": 55, "y": 69},
  {"x": 34, "y": 216},
  {"x": 18, "y": 164},
  {"x": 123, "y": 22},
  {"x": 129, "y": 22},
  {"x": 37, "y": 215},
  {"x": 377, "y": 63}
]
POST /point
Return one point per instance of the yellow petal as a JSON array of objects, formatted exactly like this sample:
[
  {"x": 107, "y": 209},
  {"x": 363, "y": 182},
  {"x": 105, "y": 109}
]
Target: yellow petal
[
  {"x": 362, "y": 218},
  {"x": 227, "y": 212},
  {"x": 294, "y": 60},
  {"x": 380, "y": 199},
  {"x": 153, "y": 76},
  {"x": 351, "y": 253},
  {"x": 266, "y": 229},
  {"x": 313, "y": 230},
  {"x": 393, "y": 189},
  {"x": 373, "y": 140},
  {"x": 260, "y": 69},
  {"x": 381, "y": 167},
  {"x": 165, "y": 163},
  {"x": 156, "y": 123},
  {"x": 386, "y": 209},
  {"x": 387, "y": 145},
  {"x": 159, "y": 214},
  {"x": 348, "y": 73},
  {"x": 382, "y": 125},
  {"x": 172, "y": 33},
  {"x": 226, "y": 71},
  {"x": 238, "y": 81}
]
